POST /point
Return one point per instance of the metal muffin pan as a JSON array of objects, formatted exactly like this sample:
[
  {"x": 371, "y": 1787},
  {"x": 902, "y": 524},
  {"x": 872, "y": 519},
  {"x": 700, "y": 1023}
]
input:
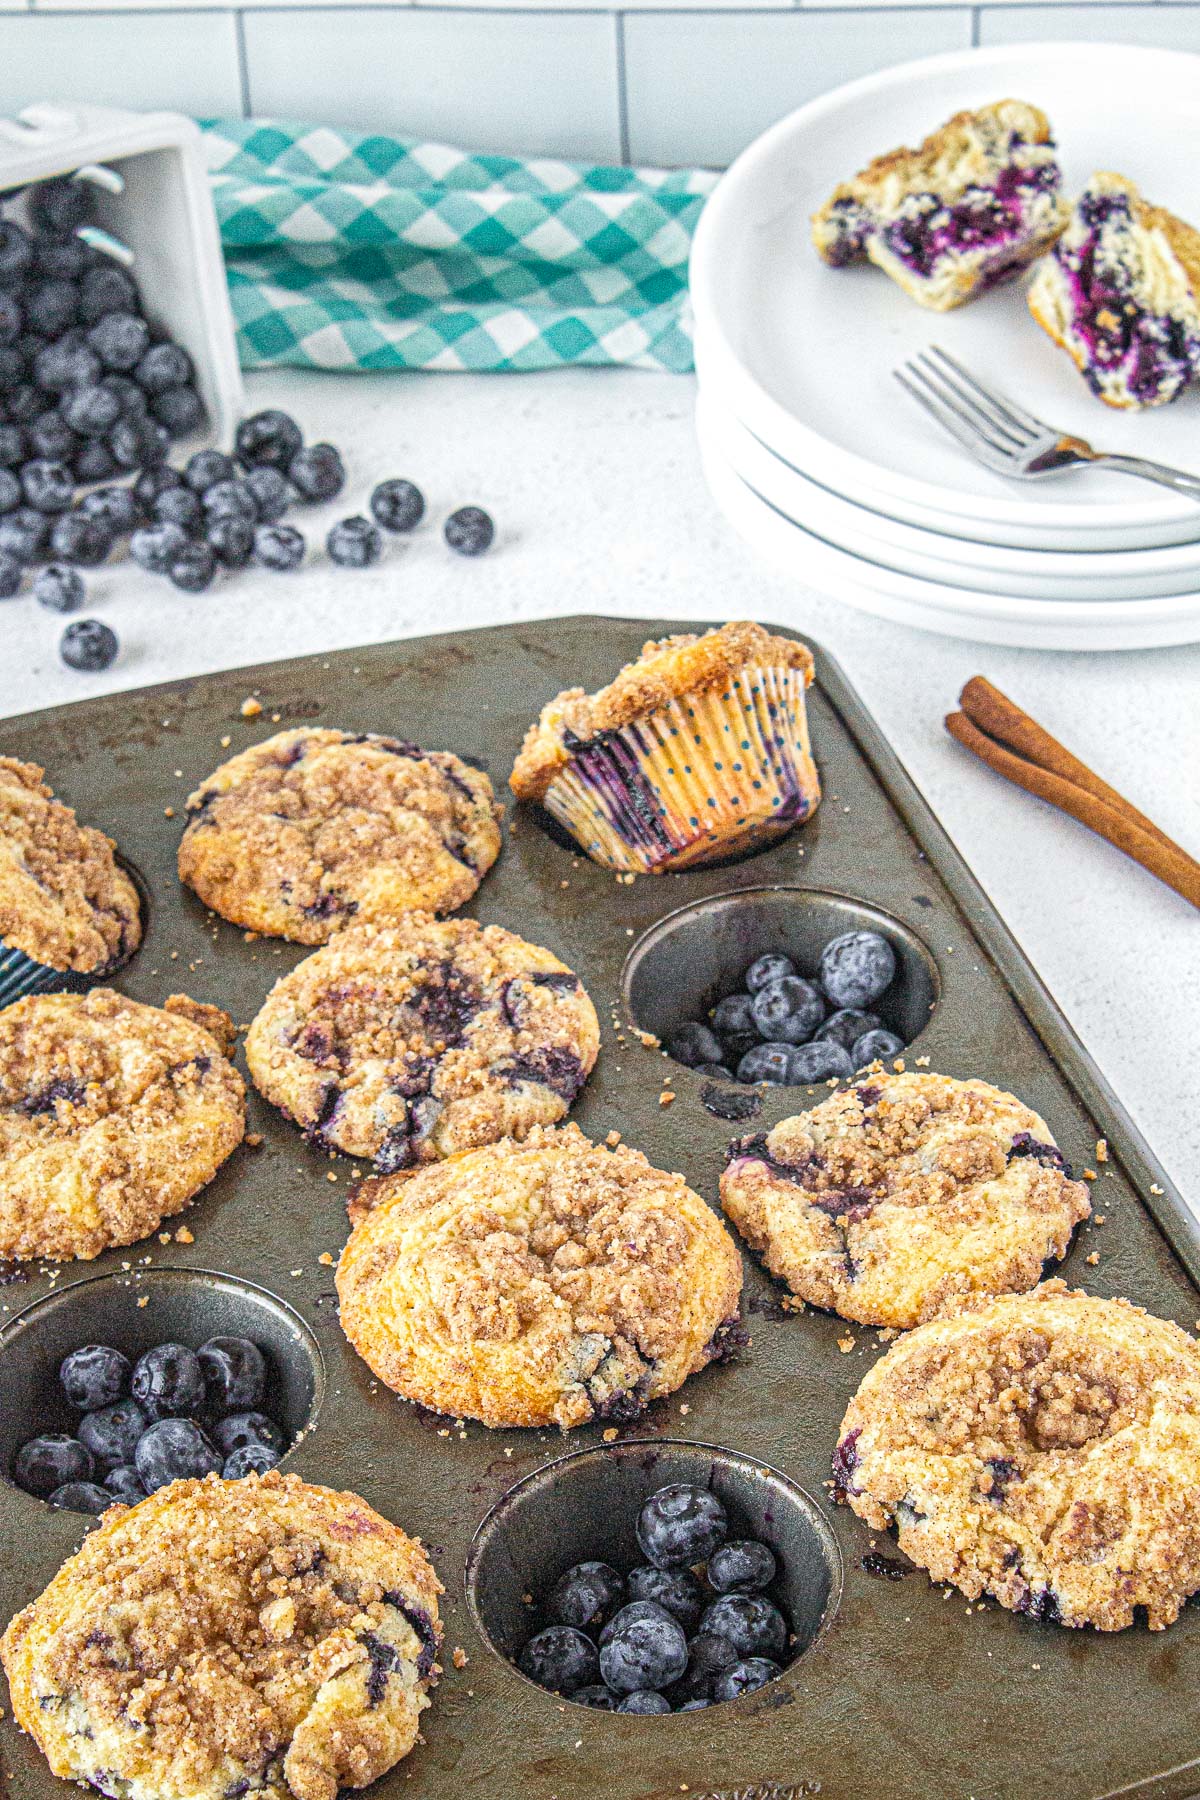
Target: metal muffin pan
[{"x": 905, "y": 1690}]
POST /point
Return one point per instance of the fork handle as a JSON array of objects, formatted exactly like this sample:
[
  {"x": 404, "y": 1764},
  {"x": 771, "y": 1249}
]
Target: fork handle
[{"x": 1176, "y": 479}]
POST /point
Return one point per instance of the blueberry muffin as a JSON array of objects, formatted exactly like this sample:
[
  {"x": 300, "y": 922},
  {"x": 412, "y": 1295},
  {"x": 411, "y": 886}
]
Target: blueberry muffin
[
  {"x": 974, "y": 204},
  {"x": 892, "y": 1197},
  {"x": 1121, "y": 295},
  {"x": 225, "y": 1638},
  {"x": 313, "y": 830},
  {"x": 1043, "y": 1448},
  {"x": 423, "y": 1040},
  {"x": 112, "y": 1116},
  {"x": 65, "y": 905},
  {"x": 699, "y": 750},
  {"x": 548, "y": 1282}
]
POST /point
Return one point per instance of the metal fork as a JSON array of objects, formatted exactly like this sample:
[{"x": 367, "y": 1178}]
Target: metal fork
[{"x": 1007, "y": 439}]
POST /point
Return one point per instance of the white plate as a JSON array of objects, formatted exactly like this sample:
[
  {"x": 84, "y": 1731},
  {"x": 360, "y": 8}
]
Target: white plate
[
  {"x": 957, "y": 562},
  {"x": 803, "y": 353},
  {"x": 954, "y": 612}
]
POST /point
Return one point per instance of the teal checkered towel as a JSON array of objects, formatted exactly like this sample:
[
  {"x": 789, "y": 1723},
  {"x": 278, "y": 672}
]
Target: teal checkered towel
[{"x": 354, "y": 252}]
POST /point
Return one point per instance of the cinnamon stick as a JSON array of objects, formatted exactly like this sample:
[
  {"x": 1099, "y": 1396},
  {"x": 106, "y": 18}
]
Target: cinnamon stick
[{"x": 1086, "y": 798}]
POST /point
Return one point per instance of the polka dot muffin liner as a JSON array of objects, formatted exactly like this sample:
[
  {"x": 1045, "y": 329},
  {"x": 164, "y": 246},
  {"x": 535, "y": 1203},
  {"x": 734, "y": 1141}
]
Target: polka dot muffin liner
[{"x": 710, "y": 775}]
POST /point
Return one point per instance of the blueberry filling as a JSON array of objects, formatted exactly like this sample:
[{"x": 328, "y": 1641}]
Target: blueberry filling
[
  {"x": 422, "y": 1624},
  {"x": 625, "y": 1405},
  {"x": 326, "y": 905},
  {"x": 727, "y": 1341},
  {"x": 383, "y": 1660},
  {"x": 46, "y": 1099},
  {"x": 867, "y": 1096},
  {"x": 559, "y": 1070},
  {"x": 884, "y": 1568},
  {"x": 1003, "y": 1470},
  {"x": 984, "y": 219},
  {"x": 445, "y": 1005},
  {"x": 1041, "y": 1605},
  {"x": 512, "y": 999},
  {"x": 401, "y": 1147},
  {"x": 851, "y": 1203},
  {"x": 845, "y": 1462},
  {"x": 330, "y": 1101},
  {"x": 1025, "y": 1144}
]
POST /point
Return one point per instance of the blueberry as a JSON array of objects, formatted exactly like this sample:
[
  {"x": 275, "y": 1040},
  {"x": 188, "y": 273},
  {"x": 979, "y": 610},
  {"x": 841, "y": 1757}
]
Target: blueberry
[
  {"x": 60, "y": 368},
  {"x": 771, "y": 1063},
  {"x": 741, "y": 1566},
  {"x": 51, "y": 438},
  {"x": 153, "y": 482},
  {"x": 52, "y": 307},
  {"x": 112, "y": 1433},
  {"x": 680, "y": 1524},
  {"x": 14, "y": 446},
  {"x": 120, "y": 340},
  {"x": 715, "y": 1071},
  {"x": 588, "y": 1593},
  {"x": 644, "y": 1700},
  {"x": 178, "y": 506},
  {"x": 232, "y": 499},
  {"x": 49, "y": 487},
  {"x": 138, "y": 443},
  {"x": 692, "y": 1043},
  {"x": 271, "y": 492},
  {"x": 11, "y": 318},
  {"x": 743, "y": 1677},
  {"x": 708, "y": 1654},
  {"x": 733, "y": 1022},
  {"x": 123, "y": 1485},
  {"x": 825, "y": 1061},
  {"x": 240, "y": 1428},
  {"x": 93, "y": 1376},
  {"x": 44, "y": 1463},
  {"x": 250, "y": 1459},
  {"x": 78, "y": 537},
  {"x": 12, "y": 370},
  {"x": 10, "y": 491},
  {"x": 168, "y": 1381},
  {"x": 24, "y": 403},
  {"x": 24, "y": 533},
  {"x": 317, "y": 473},
  {"x": 172, "y": 1450},
  {"x": 127, "y": 394},
  {"x": 192, "y": 568},
  {"x": 61, "y": 204},
  {"x": 91, "y": 411},
  {"x": 560, "y": 1658},
  {"x": 677, "y": 1591},
  {"x": 155, "y": 547},
  {"x": 696, "y": 1705},
  {"x": 772, "y": 967},
  {"x": 789, "y": 1010},
  {"x": 115, "y": 507},
  {"x": 595, "y": 1695},
  {"x": 753, "y": 1624},
  {"x": 883, "y": 1045},
  {"x": 235, "y": 1373},
  {"x": 231, "y": 542},
  {"x": 397, "y": 505},
  {"x": 354, "y": 543},
  {"x": 88, "y": 645},
  {"x": 469, "y": 531},
  {"x": 16, "y": 252},
  {"x": 272, "y": 438},
  {"x": 642, "y": 1647},
  {"x": 94, "y": 461},
  {"x": 278, "y": 547},
  {"x": 164, "y": 366},
  {"x": 11, "y": 572},
  {"x": 106, "y": 289},
  {"x": 857, "y": 967},
  {"x": 178, "y": 410},
  {"x": 59, "y": 257},
  {"x": 846, "y": 1026},
  {"x": 203, "y": 470},
  {"x": 81, "y": 1496},
  {"x": 59, "y": 587}
]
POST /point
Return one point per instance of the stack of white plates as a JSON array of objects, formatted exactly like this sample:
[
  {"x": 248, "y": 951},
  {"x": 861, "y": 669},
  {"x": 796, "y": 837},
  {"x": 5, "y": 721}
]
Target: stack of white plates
[{"x": 820, "y": 459}]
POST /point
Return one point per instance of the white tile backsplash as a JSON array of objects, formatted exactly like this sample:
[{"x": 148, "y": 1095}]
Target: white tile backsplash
[
  {"x": 186, "y": 61},
  {"x": 1165, "y": 26}
]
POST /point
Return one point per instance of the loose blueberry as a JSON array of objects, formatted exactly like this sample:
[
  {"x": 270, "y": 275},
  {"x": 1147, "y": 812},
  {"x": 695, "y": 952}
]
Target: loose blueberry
[
  {"x": 708, "y": 1654},
  {"x": 192, "y": 568},
  {"x": 733, "y": 1022},
  {"x": 81, "y": 1496},
  {"x": 271, "y": 492},
  {"x": 872, "y": 1045},
  {"x": 49, "y": 486},
  {"x": 231, "y": 542},
  {"x": 770, "y": 1063},
  {"x": 741, "y": 1566},
  {"x": 127, "y": 393},
  {"x": 11, "y": 572},
  {"x": 825, "y": 1061},
  {"x": 173, "y": 1450},
  {"x": 857, "y": 968},
  {"x": 88, "y": 645},
  {"x": 59, "y": 587},
  {"x": 11, "y": 317},
  {"x": 587, "y": 1594},
  {"x": 753, "y": 1624},
  {"x": 24, "y": 534},
  {"x": 14, "y": 448},
  {"x": 79, "y": 537},
  {"x": 243, "y": 1428},
  {"x": 168, "y": 1381},
  {"x": 51, "y": 308},
  {"x": 249, "y": 1459},
  {"x": 772, "y": 967},
  {"x": 138, "y": 443},
  {"x": 207, "y": 468},
  {"x": 354, "y": 543},
  {"x": 279, "y": 547},
  {"x": 153, "y": 482},
  {"x": 94, "y": 462},
  {"x": 123, "y": 1485},
  {"x": 59, "y": 205},
  {"x": 105, "y": 289},
  {"x": 560, "y": 1658},
  {"x": 46, "y": 1462},
  {"x": 316, "y": 473},
  {"x": 115, "y": 507},
  {"x": 680, "y": 1524},
  {"x": 692, "y": 1043},
  {"x": 744, "y": 1677},
  {"x": 789, "y": 1010},
  {"x": 155, "y": 547},
  {"x": 846, "y": 1026},
  {"x": 677, "y": 1591},
  {"x": 696, "y": 1705},
  {"x": 91, "y": 411},
  {"x": 469, "y": 531},
  {"x": 397, "y": 505},
  {"x": 596, "y": 1695},
  {"x": 232, "y": 499},
  {"x": 272, "y": 438},
  {"x": 93, "y": 1376},
  {"x": 641, "y": 1647},
  {"x": 51, "y": 438},
  {"x": 178, "y": 410},
  {"x": 16, "y": 252},
  {"x": 644, "y": 1700},
  {"x": 178, "y": 506},
  {"x": 120, "y": 340},
  {"x": 112, "y": 1433},
  {"x": 24, "y": 403},
  {"x": 235, "y": 1373},
  {"x": 164, "y": 366}
]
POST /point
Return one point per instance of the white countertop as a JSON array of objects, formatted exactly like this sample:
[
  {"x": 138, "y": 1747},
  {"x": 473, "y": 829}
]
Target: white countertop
[{"x": 593, "y": 479}]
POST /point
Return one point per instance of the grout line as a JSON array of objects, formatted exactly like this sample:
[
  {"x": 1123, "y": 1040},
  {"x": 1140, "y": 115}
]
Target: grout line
[
  {"x": 622, "y": 91},
  {"x": 239, "y": 26},
  {"x": 975, "y": 27}
]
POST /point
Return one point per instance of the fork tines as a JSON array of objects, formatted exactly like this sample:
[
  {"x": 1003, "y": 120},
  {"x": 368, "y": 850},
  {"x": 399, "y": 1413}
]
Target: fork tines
[{"x": 977, "y": 416}]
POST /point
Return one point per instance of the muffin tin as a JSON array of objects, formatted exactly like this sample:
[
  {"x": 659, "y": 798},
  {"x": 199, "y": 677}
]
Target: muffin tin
[{"x": 904, "y": 1688}]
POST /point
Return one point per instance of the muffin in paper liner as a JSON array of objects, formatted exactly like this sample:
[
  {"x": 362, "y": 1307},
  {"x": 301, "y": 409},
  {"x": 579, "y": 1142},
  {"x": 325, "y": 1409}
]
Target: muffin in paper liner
[
  {"x": 696, "y": 752},
  {"x": 70, "y": 914}
]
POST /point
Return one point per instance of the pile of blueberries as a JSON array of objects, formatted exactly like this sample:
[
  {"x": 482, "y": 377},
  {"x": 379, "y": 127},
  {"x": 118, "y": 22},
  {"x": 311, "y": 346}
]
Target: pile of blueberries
[
  {"x": 174, "y": 1413},
  {"x": 689, "y": 1628},
  {"x": 91, "y": 392},
  {"x": 785, "y": 1030}
]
